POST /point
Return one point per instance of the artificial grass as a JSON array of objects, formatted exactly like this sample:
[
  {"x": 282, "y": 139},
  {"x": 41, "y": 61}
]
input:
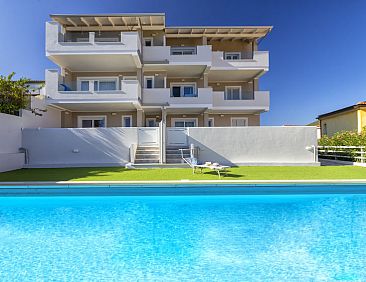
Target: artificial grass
[{"x": 235, "y": 173}]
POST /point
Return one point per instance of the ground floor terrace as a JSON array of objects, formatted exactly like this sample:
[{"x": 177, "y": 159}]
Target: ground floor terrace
[{"x": 152, "y": 118}]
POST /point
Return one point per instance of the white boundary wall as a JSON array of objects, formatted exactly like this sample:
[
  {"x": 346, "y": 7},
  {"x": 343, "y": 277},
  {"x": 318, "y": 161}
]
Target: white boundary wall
[
  {"x": 10, "y": 142},
  {"x": 265, "y": 145},
  {"x": 11, "y": 132},
  {"x": 73, "y": 147}
]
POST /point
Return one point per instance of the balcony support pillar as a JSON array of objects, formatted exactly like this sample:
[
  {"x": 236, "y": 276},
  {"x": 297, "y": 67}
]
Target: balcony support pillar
[
  {"x": 205, "y": 80},
  {"x": 205, "y": 119},
  {"x": 140, "y": 118}
]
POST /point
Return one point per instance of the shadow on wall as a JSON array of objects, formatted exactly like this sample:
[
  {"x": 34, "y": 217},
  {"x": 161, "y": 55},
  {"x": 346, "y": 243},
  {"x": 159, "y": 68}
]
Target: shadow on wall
[
  {"x": 244, "y": 145},
  {"x": 77, "y": 146}
]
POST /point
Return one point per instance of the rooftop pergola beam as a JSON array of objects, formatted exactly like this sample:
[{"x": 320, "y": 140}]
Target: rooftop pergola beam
[
  {"x": 98, "y": 21},
  {"x": 85, "y": 21},
  {"x": 110, "y": 20},
  {"x": 71, "y": 21},
  {"x": 217, "y": 35}
]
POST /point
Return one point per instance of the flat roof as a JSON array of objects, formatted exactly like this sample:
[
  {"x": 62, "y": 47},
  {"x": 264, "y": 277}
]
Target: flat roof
[{"x": 342, "y": 110}]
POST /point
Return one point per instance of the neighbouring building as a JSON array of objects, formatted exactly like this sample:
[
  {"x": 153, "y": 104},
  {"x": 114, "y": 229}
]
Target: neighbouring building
[
  {"x": 352, "y": 118},
  {"x": 125, "y": 70}
]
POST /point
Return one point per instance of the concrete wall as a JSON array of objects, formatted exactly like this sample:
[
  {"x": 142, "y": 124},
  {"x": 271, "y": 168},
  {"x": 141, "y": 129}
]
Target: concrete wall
[
  {"x": 255, "y": 145},
  {"x": 10, "y": 142},
  {"x": 58, "y": 147},
  {"x": 11, "y": 133}
]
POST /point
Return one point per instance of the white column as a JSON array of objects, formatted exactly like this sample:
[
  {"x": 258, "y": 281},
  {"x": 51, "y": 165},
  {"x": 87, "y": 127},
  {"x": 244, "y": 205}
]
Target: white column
[{"x": 91, "y": 37}]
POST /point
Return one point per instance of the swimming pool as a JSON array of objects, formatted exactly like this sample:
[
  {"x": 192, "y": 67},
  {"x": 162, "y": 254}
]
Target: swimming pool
[{"x": 183, "y": 238}]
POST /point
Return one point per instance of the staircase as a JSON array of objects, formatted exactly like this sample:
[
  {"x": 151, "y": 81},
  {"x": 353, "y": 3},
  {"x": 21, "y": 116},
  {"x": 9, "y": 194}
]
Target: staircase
[
  {"x": 173, "y": 155},
  {"x": 147, "y": 155}
]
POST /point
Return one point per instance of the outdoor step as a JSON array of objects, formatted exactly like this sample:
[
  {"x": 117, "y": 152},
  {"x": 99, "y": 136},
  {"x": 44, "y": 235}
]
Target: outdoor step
[
  {"x": 138, "y": 152},
  {"x": 174, "y": 161},
  {"x": 146, "y": 161},
  {"x": 142, "y": 157}
]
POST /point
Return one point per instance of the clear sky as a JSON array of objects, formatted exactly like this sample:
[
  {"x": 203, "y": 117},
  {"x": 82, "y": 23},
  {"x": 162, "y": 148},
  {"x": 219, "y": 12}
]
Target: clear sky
[{"x": 317, "y": 47}]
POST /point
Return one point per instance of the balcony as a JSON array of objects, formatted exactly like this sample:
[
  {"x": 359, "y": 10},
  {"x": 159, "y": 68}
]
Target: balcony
[
  {"x": 106, "y": 51},
  {"x": 162, "y": 97},
  {"x": 256, "y": 101},
  {"x": 128, "y": 92},
  {"x": 249, "y": 66},
  {"x": 200, "y": 55}
]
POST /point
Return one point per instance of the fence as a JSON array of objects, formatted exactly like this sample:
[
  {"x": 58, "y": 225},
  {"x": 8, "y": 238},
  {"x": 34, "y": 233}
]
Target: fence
[{"x": 343, "y": 153}]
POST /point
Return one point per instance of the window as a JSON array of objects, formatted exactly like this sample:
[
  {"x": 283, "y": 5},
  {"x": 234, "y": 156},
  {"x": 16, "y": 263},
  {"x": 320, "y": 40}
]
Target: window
[
  {"x": 182, "y": 122},
  {"x": 183, "y": 51},
  {"x": 325, "y": 130},
  {"x": 232, "y": 93},
  {"x": 148, "y": 41},
  {"x": 84, "y": 85},
  {"x": 239, "y": 121},
  {"x": 92, "y": 121},
  {"x": 232, "y": 56},
  {"x": 126, "y": 121},
  {"x": 105, "y": 85},
  {"x": 149, "y": 82},
  {"x": 211, "y": 122},
  {"x": 97, "y": 83},
  {"x": 183, "y": 90},
  {"x": 151, "y": 122}
]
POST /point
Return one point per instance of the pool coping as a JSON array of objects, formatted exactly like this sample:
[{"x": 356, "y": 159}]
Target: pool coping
[{"x": 187, "y": 181}]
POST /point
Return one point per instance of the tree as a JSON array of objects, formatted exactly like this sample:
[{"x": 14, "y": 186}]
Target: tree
[{"x": 14, "y": 94}]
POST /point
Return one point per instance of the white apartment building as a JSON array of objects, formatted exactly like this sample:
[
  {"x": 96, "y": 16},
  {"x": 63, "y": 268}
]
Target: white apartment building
[{"x": 127, "y": 70}]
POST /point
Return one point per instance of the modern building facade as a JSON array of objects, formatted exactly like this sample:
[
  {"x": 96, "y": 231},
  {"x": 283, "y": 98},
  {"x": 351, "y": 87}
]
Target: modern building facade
[
  {"x": 352, "y": 118},
  {"x": 125, "y": 70}
]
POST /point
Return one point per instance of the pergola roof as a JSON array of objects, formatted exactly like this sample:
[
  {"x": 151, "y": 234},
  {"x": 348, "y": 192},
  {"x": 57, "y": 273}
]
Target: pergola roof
[
  {"x": 229, "y": 32},
  {"x": 144, "y": 21},
  {"x": 156, "y": 21}
]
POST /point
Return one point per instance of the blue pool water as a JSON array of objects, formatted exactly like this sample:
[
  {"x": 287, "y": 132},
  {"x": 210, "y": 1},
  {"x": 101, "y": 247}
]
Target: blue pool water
[{"x": 183, "y": 238}]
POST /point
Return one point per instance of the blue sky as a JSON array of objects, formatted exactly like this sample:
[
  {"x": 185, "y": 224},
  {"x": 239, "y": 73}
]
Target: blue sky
[{"x": 317, "y": 47}]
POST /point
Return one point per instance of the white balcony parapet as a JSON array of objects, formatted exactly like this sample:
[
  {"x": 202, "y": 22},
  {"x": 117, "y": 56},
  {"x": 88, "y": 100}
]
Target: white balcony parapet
[
  {"x": 260, "y": 101},
  {"x": 130, "y": 90},
  {"x": 162, "y": 55},
  {"x": 162, "y": 96},
  {"x": 260, "y": 60},
  {"x": 55, "y": 45}
]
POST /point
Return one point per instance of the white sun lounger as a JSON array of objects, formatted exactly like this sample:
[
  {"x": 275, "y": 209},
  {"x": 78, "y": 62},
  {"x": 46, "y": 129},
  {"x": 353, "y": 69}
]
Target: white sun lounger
[{"x": 193, "y": 163}]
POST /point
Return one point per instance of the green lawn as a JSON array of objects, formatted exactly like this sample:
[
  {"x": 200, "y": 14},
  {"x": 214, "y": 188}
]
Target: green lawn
[{"x": 236, "y": 173}]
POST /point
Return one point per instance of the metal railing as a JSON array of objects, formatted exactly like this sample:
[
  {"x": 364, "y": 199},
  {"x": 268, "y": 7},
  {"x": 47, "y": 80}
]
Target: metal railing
[{"x": 343, "y": 153}]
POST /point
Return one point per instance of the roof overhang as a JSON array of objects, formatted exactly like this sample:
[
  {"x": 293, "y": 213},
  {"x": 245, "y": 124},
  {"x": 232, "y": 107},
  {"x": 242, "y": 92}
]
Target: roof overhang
[
  {"x": 360, "y": 105},
  {"x": 128, "y": 22},
  {"x": 219, "y": 32}
]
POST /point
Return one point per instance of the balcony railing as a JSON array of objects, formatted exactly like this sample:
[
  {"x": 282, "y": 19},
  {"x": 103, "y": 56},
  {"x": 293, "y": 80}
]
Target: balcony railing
[
  {"x": 162, "y": 96},
  {"x": 86, "y": 42},
  {"x": 128, "y": 90},
  {"x": 200, "y": 55},
  {"x": 255, "y": 60},
  {"x": 259, "y": 100}
]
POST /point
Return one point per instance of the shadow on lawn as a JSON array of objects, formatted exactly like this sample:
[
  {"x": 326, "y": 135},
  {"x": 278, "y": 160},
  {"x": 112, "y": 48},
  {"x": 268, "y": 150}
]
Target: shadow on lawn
[
  {"x": 62, "y": 174},
  {"x": 227, "y": 174}
]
